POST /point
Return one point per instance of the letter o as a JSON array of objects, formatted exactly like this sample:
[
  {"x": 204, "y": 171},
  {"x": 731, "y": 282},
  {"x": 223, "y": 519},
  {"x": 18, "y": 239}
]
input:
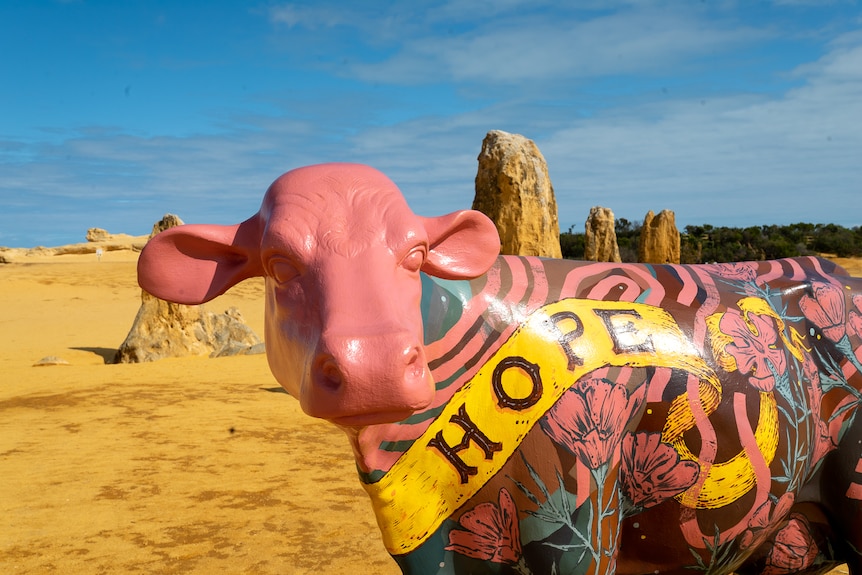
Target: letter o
[{"x": 529, "y": 368}]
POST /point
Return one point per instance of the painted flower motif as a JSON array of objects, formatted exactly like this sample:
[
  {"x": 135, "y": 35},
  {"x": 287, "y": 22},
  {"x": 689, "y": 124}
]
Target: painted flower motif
[
  {"x": 764, "y": 519},
  {"x": 812, "y": 375},
  {"x": 651, "y": 471},
  {"x": 490, "y": 533},
  {"x": 824, "y": 443},
  {"x": 794, "y": 550},
  {"x": 754, "y": 347},
  {"x": 825, "y": 309},
  {"x": 590, "y": 418},
  {"x": 854, "y": 324},
  {"x": 854, "y": 320},
  {"x": 741, "y": 271}
]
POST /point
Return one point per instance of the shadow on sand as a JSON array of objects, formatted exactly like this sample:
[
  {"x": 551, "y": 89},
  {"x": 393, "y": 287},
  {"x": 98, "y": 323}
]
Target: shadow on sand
[{"x": 107, "y": 353}]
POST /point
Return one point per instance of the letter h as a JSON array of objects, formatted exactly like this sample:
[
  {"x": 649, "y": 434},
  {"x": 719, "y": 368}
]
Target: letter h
[{"x": 471, "y": 433}]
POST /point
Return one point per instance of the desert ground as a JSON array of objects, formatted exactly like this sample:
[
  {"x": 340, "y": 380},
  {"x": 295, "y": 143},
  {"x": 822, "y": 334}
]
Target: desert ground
[{"x": 190, "y": 465}]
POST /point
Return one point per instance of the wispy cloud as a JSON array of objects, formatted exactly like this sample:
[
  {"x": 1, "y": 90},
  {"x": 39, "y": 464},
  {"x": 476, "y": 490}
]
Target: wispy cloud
[
  {"x": 310, "y": 17},
  {"x": 739, "y": 158},
  {"x": 541, "y": 47},
  {"x": 512, "y": 42}
]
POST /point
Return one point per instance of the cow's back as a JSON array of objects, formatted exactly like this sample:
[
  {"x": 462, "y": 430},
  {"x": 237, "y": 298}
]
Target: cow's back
[{"x": 672, "y": 412}]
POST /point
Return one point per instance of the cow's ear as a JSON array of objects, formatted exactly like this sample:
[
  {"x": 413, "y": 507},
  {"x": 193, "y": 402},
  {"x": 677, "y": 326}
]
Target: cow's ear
[
  {"x": 194, "y": 263},
  {"x": 462, "y": 245}
]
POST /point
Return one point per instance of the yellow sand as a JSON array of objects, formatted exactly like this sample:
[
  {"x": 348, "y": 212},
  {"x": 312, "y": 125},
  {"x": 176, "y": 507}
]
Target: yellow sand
[{"x": 179, "y": 466}]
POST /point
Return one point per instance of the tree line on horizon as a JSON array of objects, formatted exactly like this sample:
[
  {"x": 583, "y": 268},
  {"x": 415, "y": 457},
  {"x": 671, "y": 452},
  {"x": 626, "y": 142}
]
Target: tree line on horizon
[{"x": 706, "y": 243}]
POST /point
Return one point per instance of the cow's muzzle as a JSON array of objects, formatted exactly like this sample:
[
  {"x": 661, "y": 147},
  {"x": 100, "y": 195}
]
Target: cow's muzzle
[{"x": 369, "y": 380}]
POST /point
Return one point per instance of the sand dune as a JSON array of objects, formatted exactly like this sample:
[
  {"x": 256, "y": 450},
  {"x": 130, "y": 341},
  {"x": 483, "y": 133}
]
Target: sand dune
[{"x": 179, "y": 466}]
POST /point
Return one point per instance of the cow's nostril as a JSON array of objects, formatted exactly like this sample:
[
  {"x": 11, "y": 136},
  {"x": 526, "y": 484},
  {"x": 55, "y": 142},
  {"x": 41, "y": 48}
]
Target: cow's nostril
[
  {"x": 412, "y": 355},
  {"x": 330, "y": 374},
  {"x": 413, "y": 360}
]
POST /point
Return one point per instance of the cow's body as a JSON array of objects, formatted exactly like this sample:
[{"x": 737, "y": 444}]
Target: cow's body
[{"x": 521, "y": 415}]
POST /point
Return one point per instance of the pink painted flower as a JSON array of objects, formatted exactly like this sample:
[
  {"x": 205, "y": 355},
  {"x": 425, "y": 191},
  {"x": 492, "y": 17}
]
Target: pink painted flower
[
  {"x": 735, "y": 271},
  {"x": 794, "y": 550},
  {"x": 764, "y": 519},
  {"x": 854, "y": 321},
  {"x": 811, "y": 373},
  {"x": 490, "y": 533},
  {"x": 754, "y": 347},
  {"x": 854, "y": 324},
  {"x": 824, "y": 442},
  {"x": 590, "y": 418},
  {"x": 651, "y": 471},
  {"x": 825, "y": 308}
]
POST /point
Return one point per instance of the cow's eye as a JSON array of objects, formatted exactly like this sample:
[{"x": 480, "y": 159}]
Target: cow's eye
[
  {"x": 282, "y": 270},
  {"x": 413, "y": 261}
]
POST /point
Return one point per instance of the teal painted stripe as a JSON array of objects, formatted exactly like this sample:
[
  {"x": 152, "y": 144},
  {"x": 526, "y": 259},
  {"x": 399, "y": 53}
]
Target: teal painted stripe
[
  {"x": 442, "y": 305},
  {"x": 372, "y": 477},
  {"x": 447, "y": 382},
  {"x": 424, "y": 416},
  {"x": 397, "y": 446}
]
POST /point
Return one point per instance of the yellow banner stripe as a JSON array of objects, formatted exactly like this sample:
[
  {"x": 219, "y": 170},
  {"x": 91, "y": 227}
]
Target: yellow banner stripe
[{"x": 486, "y": 420}]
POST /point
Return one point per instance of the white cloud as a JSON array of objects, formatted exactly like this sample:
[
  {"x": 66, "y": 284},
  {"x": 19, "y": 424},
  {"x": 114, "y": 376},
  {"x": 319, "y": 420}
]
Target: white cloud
[
  {"x": 737, "y": 159},
  {"x": 632, "y": 43},
  {"x": 511, "y": 42},
  {"x": 310, "y": 17}
]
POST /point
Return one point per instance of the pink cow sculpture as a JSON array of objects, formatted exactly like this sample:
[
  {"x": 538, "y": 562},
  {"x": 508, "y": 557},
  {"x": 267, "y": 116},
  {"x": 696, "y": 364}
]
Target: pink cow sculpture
[{"x": 527, "y": 415}]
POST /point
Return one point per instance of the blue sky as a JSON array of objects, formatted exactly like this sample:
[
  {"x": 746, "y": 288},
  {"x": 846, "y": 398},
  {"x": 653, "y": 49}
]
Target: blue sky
[{"x": 728, "y": 113}]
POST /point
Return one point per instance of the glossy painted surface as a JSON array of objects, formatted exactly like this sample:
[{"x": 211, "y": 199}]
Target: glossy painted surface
[{"x": 520, "y": 415}]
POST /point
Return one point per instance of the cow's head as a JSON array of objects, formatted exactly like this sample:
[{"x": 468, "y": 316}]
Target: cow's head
[{"x": 341, "y": 252}]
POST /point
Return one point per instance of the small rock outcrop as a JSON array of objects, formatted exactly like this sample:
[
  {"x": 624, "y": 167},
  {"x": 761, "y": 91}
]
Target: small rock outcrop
[
  {"x": 167, "y": 222},
  {"x": 600, "y": 237},
  {"x": 163, "y": 329},
  {"x": 97, "y": 235},
  {"x": 50, "y": 360},
  {"x": 98, "y": 241},
  {"x": 659, "y": 241},
  {"x": 514, "y": 190},
  {"x": 100, "y": 236}
]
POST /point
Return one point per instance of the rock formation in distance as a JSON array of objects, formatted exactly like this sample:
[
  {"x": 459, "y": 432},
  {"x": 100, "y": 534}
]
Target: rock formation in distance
[
  {"x": 600, "y": 237},
  {"x": 514, "y": 190},
  {"x": 164, "y": 329},
  {"x": 659, "y": 241}
]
